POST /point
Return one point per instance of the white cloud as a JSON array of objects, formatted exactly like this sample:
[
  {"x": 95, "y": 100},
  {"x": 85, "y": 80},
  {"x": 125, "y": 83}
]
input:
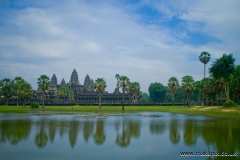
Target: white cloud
[{"x": 102, "y": 39}]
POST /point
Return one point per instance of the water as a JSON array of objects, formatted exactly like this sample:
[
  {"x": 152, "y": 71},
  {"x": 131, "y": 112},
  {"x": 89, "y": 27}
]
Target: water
[{"x": 145, "y": 135}]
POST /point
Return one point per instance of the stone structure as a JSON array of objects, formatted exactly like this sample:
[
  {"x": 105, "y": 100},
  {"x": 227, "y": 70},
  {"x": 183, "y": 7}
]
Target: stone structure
[{"x": 83, "y": 93}]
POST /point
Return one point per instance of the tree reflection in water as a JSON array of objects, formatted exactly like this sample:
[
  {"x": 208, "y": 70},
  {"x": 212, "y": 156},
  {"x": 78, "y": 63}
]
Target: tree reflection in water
[
  {"x": 73, "y": 132},
  {"x": 14, "y": 131},
  {"x": 88, "y": 128},
  {"x": 157, "y": 127},
  {"x": 174, "y": 134},
  {"x": 99, "y": 136},
  {"x": 52, "y": 128},
  {"x": 130, "y": 129},
  {"x": 220, "y": 134},
  {"x": 190, "y": 134},
  {"x": 41, "y": 137}
]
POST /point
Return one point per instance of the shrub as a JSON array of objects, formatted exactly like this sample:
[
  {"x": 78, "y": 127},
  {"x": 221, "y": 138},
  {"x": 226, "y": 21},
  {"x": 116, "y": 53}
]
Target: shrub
[
  {"x": 35, "y": 105},
  {"x": 230, "y": 104}
]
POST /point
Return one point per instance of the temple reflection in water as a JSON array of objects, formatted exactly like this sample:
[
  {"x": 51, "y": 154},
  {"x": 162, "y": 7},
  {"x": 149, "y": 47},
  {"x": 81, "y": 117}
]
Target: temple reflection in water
[{"x": 119, "y": 130}]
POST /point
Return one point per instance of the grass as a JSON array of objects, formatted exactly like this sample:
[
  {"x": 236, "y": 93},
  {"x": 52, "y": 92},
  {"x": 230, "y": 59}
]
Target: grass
[{"x": 215, "y": 111}]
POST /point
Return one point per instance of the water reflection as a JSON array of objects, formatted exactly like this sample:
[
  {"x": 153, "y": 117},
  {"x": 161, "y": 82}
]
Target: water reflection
[
  {"x": 174, "y": 133},
  {"x": 129, "y": 128},
  {"x": 157, "y": 127},
  {"x": 14, "y": 131},
  {"x": 216, "y": 134},
  {"x": 190, "y": 132},
  {"x": 41, "y": 137},
  {"x": 73, "y": 132},
  {"x": 99, "y": 135},
  {"x": 88, "y": 128}
]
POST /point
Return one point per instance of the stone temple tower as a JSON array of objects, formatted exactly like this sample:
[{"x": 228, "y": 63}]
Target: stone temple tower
[
  {"x": 53, "y": 81},
  {"x": 74, "y": 78},
  {"x": 87, "y": 83},
  {"x": 63, "y": 82}
]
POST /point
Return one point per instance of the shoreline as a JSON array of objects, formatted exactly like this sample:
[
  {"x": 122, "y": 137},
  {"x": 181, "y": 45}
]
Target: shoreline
[{"x": 214, "y": 111}]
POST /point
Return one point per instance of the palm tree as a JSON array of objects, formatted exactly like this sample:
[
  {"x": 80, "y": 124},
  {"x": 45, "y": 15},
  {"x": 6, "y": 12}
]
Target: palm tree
[
  {"x": 204, "y": 58},
  {"x": 117, "y": 76},
  {"x": 134, "y": 88},
  {"x": 100, "y": 86},
  {"x": 188, "y": 86},
  {"x": 17, "y": 80},
  {"x": 172, "y": 86},
  {"x": 124, "y": 84},
  {"x": 43, "y": 84},
  {"x": 65, "y": 92}
]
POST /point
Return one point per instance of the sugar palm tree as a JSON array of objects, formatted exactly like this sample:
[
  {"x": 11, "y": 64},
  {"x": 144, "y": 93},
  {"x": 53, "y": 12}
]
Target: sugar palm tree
[
  {"x": 188, "y": 86},
  {"x": 43, "y": 84},
  {"x": 124, "y": 84},
  {"x": 204, "y": 58},
  {"x": 18, "y": 81},
  {"x": 117, "y": 76},
  {"x": 100, "y": 86},
  {"x": 172, "y": 86}
]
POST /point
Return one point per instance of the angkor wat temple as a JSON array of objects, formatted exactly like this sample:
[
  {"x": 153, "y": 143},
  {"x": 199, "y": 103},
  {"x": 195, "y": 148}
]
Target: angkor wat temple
[{"x": 83, "y": 93}]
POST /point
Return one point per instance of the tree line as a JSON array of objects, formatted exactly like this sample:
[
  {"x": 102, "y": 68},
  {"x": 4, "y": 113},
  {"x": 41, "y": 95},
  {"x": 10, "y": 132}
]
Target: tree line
[{"x": 221, "y": 87}]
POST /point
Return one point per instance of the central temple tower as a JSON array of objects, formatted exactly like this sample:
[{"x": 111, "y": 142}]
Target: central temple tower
[{"x": 74, "y": 78}]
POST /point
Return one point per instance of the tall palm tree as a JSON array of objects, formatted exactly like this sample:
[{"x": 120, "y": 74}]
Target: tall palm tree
[
  {"x": 172, "y": 86},
  {"x": 188, "y": 86},
  {"x": 204, "y": 58},
  {"x": 124, "y": 84},
  {"x": 43, "y": 84},
  {"x": 100, "y": 86},
  {"x": 117, "y": 76},
  {"x": 17, "y": 80}
]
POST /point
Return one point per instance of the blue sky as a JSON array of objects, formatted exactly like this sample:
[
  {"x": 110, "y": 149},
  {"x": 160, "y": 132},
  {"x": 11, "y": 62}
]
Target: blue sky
[{"x": 146, "y": 40}]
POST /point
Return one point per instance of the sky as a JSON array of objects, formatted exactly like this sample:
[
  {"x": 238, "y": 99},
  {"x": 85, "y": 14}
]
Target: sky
[{"x": 147, "y": 40}]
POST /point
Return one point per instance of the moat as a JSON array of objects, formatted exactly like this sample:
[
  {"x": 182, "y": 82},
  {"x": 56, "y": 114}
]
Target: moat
[{"x": 144, "y": 135}]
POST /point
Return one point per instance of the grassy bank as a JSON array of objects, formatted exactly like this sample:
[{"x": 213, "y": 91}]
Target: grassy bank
[{"x": 215, "y": 111}]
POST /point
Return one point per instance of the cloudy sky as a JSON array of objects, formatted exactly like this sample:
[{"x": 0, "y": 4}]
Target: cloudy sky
[{"x": 146, "y": 40}]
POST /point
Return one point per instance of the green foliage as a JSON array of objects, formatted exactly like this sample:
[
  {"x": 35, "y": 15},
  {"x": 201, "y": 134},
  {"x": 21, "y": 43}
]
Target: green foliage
[
  {"x": 124, "y": 83},
  {"x": 204, "y": 57},
  {"x": 188, "y": 86},
  {"x": 222, "y": 68},
  {"x": 100, "y": 86},
  {"x": 7, "y": 88},
  {"x": 157, "y": 92},
  {"x": 145, "y": 97},
  {"x": 24, "y": 91},
  {"x": 173, "y": 84},
  {"x": 35, "y": 105},
  {"x": 43, "y": 84},
  {"x": 230, "y": 104}
]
